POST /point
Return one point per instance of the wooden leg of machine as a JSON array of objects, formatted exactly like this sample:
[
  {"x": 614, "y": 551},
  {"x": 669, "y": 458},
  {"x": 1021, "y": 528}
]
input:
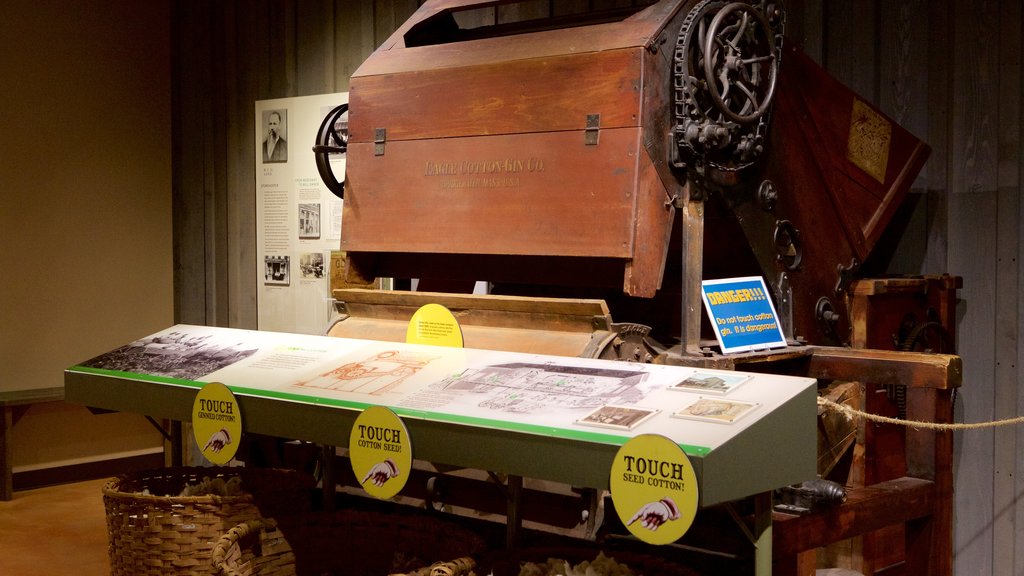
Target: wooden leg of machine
[
  {"x": 930, "y": 455},
  {"x": 513, "y": 520},
  {"x": 693, "y": 254},
  {"x": 174, "y": 441},
  {"x": 919, "y": 538},
  {"x": 177, "y": 444},
  {"x": 763, "y": 534},
  {"x": 329, "y": 477}
]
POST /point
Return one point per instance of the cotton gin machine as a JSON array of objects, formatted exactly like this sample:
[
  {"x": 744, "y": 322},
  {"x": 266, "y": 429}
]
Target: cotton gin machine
[
  {"x": 609, "y": 160},
  {"x": 594, "y": 167}
]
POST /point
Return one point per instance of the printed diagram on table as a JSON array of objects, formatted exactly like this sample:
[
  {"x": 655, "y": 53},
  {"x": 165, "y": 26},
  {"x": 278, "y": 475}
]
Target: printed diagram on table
[
  {"x": 523, "y": 388},
  {"x": 375, "y": 375}
]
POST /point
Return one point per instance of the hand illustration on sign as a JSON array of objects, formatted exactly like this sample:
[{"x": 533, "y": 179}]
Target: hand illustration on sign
[
  {"x": 218, "y": 440},
  {"x": 654, "y": 514},
  {"x": 381, "y": 472}
]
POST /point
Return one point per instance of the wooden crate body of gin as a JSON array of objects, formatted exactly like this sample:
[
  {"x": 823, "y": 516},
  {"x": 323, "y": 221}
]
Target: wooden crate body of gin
[{"x": 529, "y": 152}]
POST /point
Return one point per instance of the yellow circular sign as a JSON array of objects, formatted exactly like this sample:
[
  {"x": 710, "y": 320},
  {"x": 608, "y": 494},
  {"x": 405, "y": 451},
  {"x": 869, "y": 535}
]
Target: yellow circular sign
[
  {"x": 434, "y": 324},
  {"x": 380, "y": 451},
  {"x": 654, "y": 489},
  {"x": 216, "y": 422}
]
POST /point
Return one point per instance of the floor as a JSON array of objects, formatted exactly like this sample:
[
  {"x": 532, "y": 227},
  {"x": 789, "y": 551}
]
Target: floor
[{"x": 55, "y": 531}]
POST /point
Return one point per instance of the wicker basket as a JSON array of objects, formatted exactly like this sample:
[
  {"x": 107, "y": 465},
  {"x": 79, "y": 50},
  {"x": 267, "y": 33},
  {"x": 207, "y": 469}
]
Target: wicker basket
[
  {"x": 150, "y": 533},
  {"x": 349, "y": 543}
]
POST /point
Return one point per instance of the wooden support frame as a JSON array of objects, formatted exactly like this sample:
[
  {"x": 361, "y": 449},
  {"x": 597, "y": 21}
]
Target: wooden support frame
[{"x": 922, "y": 501}]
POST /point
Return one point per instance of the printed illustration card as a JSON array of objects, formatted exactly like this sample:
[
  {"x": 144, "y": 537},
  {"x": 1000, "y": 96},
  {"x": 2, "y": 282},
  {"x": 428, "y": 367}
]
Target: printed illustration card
[
  {"x": 711, "y": 383},
  {"x": 618, "y": 417},
  {"x": 716, "y": 410}
]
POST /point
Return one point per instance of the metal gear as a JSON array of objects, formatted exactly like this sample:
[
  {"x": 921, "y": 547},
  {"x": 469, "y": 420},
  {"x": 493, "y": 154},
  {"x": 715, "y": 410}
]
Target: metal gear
[{"x": 725, "y": 64}]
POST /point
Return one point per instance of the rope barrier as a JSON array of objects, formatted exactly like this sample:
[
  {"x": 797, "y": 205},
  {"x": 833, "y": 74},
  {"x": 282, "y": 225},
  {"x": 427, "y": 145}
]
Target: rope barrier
[{"x": 853, "y": 413}]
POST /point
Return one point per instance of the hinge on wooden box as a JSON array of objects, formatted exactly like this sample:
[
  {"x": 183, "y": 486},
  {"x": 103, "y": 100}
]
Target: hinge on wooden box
[
  {"x": 380, "y": 135},
  {"x": 593, "y": 130}
]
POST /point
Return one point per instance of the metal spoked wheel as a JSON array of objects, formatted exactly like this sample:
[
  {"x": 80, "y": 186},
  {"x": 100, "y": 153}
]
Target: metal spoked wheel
[
  {"x": 740, "y": 62},
  {"x": 725, "y": 69},
  {"x": 331, "y": 139}
]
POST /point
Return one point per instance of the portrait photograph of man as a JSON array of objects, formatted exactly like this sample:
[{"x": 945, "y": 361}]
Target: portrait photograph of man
[{"x": 275, "y": 143}]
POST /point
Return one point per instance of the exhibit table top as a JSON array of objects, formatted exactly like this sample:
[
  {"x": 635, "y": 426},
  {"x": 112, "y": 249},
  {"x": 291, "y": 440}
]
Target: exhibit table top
[{"x": 538, "y": 416}]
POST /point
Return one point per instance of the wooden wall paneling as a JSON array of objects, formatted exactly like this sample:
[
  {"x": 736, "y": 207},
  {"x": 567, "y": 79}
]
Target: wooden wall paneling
[
  {"x": 591, "y": 5},
  {"x": 938, "y": 47},
  {"x": 242, "y": 75},
  {"x": 283, "y": 67},
  {"x": 217, "y": 303},
  {"x": 191, "y": 32},
  {"x": 315, "y": 47},
  {"x": 1018, "y": 362},
  {"x": 1008, "y": 551},
  {"x": 354, "y": 39},
  {"x": 389, "y": 15},
  {"x": 970, "y": 256},
  {"x": 903, "y": 95},
  {"x": 479, "y": 17},
  {"x": 1015, "y": 65},
  {"x": 605, "y": 4},
  {"x": 903, "y": 63},
  {"x": 972, "y": 250},
  {"x": 577, "y": 6},
  {"x": 384, "y": 20},
  {"x": 805, "y": 25},
  {"x": 850, "y": 45},
  {"x": 267, "y": 71},
  {"x": 259, "y": 15},
  {"x": 524, "y": 10},
  {"x": 1007, "y": 331}
]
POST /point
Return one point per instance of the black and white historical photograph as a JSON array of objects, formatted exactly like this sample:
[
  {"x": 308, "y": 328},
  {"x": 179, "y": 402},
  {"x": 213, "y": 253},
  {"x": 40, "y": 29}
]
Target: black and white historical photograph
[
  {"x": 619, "y": 417},
  {"x": 711, "y": 383},
  {"x": 311, "y": 265},
  {"x": 275, "y": 136},
  {"x": 277, "y": 270},
  {"x": 309, "y": 221},
  {"x": 174, "y": 354}
]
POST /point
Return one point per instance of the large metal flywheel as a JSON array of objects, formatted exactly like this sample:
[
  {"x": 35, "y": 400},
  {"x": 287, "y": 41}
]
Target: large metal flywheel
[{"x": 726, "y": 66}]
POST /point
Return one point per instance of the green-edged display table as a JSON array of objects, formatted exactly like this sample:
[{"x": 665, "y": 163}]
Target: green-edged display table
[{"x": 546, "y": 417}]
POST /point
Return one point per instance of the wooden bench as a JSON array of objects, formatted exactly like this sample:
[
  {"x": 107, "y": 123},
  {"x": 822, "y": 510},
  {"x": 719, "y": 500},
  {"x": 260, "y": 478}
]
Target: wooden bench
[{"x": 15, "y": 403}]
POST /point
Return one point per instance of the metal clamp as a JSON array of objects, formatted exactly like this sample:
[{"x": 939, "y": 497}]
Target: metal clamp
[{"x": 593, "y": 130}]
